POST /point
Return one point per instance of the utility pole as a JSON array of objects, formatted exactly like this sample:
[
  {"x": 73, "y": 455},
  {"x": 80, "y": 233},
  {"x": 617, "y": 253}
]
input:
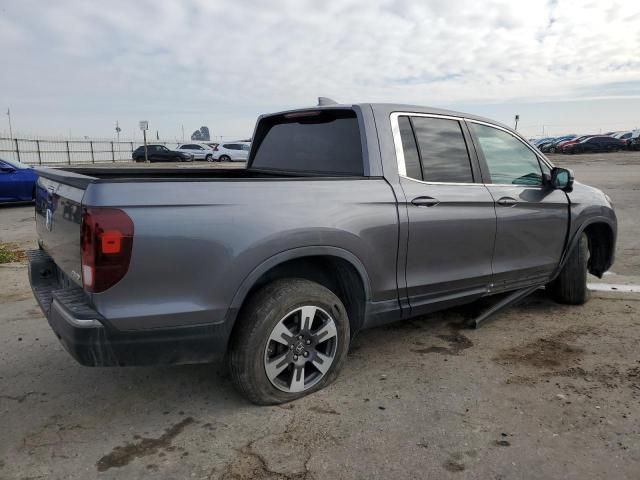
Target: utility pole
[
  {"x": 517, "y": 118},
  {"x": 10, "y": 128},
  {"x": 118, "y": 130},
  {"x": 182, "y": 132}
]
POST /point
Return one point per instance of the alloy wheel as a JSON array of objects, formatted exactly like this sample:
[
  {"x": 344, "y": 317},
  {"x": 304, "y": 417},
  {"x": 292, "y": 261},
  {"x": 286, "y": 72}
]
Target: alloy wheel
[{"x": 301, "y": 349}]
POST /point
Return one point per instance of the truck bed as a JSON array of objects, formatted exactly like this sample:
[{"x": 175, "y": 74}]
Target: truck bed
[{"x": 81, "y": 176}]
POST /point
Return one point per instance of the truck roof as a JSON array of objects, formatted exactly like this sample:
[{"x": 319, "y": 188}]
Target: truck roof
[{"x": 388, "y": 108}]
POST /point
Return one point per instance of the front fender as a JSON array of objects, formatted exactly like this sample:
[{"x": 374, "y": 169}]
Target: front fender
[{"x": 610, "y": 221}]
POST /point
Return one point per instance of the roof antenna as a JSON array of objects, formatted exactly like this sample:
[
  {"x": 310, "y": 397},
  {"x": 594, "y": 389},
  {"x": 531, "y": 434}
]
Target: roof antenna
[{"x": 322, "y": 101}]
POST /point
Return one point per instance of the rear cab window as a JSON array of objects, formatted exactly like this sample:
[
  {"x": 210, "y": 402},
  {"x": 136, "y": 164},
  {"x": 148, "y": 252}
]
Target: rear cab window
[{"x": 321, "y": 142}]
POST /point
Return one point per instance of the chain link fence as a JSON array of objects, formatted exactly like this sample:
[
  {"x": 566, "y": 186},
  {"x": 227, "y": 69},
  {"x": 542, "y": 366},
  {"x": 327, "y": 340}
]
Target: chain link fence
[{"x": 67, "y": 152}]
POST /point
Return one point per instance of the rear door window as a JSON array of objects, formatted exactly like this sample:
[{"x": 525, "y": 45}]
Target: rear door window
[
  {"x": 435, "y": 150},
  {"x": 322, "y": 141},
  {"x": 410, "y": 149}
]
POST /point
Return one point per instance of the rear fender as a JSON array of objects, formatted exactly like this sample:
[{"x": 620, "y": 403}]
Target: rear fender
[{"x": 294, "y": 253}]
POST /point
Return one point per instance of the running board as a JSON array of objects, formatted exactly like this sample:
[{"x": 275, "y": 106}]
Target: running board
[{"x": 507, "y": 301}]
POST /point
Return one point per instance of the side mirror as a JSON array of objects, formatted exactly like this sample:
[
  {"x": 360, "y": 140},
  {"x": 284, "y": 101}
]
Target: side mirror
[{"x": 562, "y": 178}]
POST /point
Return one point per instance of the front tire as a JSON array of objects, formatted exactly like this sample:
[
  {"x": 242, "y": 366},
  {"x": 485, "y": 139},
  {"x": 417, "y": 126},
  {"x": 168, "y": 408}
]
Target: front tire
[
  {"x": 209, "y": 158},
  {"x": 570, "y": 286},
  {"x": 225, "y": 158},
  {"x": 291, "y": 339}
]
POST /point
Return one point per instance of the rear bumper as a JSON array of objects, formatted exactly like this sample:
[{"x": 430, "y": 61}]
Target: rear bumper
[{"x": 88, "y": 338}]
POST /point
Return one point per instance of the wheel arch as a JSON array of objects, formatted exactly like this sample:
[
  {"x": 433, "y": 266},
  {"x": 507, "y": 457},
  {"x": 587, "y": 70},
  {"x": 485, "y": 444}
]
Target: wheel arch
[
  {"x": 601, "y": 235},
  {"x": 335, "y": 268},
  {"x": 601, "y": 239}
]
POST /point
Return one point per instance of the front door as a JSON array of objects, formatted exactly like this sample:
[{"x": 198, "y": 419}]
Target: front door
[
  {"x": 452, "y": 220},
  {"x": 9, "y": 186},
  {"x": 533, "y": 218}
]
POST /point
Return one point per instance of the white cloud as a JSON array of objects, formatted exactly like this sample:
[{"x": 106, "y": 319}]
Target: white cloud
[{"x": 202, "y": 60}]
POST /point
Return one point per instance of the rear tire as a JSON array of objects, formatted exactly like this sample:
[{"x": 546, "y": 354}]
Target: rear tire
[
  {"x": 178, "y": 159},
  {"x": 209, "y": 158},
  {"x": 272, "y": 332},
  {"x": 570, "y": 286},
  {"x": 225, "y": 158}
]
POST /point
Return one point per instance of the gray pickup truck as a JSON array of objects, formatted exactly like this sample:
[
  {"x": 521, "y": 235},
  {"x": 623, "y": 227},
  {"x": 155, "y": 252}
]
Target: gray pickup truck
[{"x": 346, "y": 217}]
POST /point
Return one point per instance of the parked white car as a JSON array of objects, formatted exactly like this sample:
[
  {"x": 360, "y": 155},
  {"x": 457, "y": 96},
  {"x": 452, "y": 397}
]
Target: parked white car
[
  {"x": 200, "y": 151},
  {"x": 232, "y": 152},
  {"x": 622, "y": 135}
]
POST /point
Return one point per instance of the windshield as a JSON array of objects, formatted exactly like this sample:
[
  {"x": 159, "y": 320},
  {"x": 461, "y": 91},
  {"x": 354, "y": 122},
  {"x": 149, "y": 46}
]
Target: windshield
[{"x": 15, "y": 164}]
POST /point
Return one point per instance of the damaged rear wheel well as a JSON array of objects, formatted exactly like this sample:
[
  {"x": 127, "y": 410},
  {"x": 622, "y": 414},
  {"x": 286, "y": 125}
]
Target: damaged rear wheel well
[{"x": 334, "y": 273}]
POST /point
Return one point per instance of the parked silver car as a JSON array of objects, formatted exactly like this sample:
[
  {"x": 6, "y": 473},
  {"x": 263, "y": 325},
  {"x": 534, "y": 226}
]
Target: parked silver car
[{"x": 199, "y": 151}]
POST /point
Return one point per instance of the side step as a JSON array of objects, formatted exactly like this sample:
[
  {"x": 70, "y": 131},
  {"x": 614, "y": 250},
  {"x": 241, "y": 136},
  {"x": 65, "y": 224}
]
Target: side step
[{"x": 507, "y": 301}]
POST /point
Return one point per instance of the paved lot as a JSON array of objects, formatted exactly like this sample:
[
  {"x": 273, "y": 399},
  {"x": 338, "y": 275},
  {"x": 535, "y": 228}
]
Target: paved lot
[{"x": 543, "y": 391}]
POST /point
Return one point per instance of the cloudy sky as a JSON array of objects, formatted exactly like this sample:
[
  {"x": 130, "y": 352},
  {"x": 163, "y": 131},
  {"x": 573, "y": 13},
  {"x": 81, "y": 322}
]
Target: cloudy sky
[{"x": 71, "y": 67}]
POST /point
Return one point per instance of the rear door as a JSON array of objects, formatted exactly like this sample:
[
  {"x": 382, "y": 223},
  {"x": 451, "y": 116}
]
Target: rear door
[
  {"x": 153, "y": 154},
  {"x": 532, "y": 217},
  {"x": 452, "y": 221},
  {"x": 243, "y": 153},
  {"x": 234, "y": 151}
]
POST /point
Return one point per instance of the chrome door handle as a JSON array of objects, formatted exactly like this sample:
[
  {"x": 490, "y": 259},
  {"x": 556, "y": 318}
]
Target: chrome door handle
[
  {"x": 507, "y": 201},
  {"x": 425, "y": 202}
]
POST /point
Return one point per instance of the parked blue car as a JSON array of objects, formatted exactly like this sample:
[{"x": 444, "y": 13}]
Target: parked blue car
[{"x": 17, "y": 182}]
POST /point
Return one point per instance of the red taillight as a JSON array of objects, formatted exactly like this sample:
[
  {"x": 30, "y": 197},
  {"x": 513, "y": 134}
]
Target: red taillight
[
  {"x": 215, "y": 149},
  {"x": 106, "y": 240}
]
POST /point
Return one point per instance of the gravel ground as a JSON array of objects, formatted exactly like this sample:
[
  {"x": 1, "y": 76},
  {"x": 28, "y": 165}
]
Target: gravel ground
[{"x": 542, "y": 391}]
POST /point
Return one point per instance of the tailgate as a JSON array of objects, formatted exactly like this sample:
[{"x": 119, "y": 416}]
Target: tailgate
[{"x": 58, "y": 217}]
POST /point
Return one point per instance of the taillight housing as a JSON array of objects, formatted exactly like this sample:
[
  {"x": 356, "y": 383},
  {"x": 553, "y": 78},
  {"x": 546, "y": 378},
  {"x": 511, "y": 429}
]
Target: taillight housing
[
  {"x": 215, "y": 149},
  {"x": 106, "y": 241}
]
